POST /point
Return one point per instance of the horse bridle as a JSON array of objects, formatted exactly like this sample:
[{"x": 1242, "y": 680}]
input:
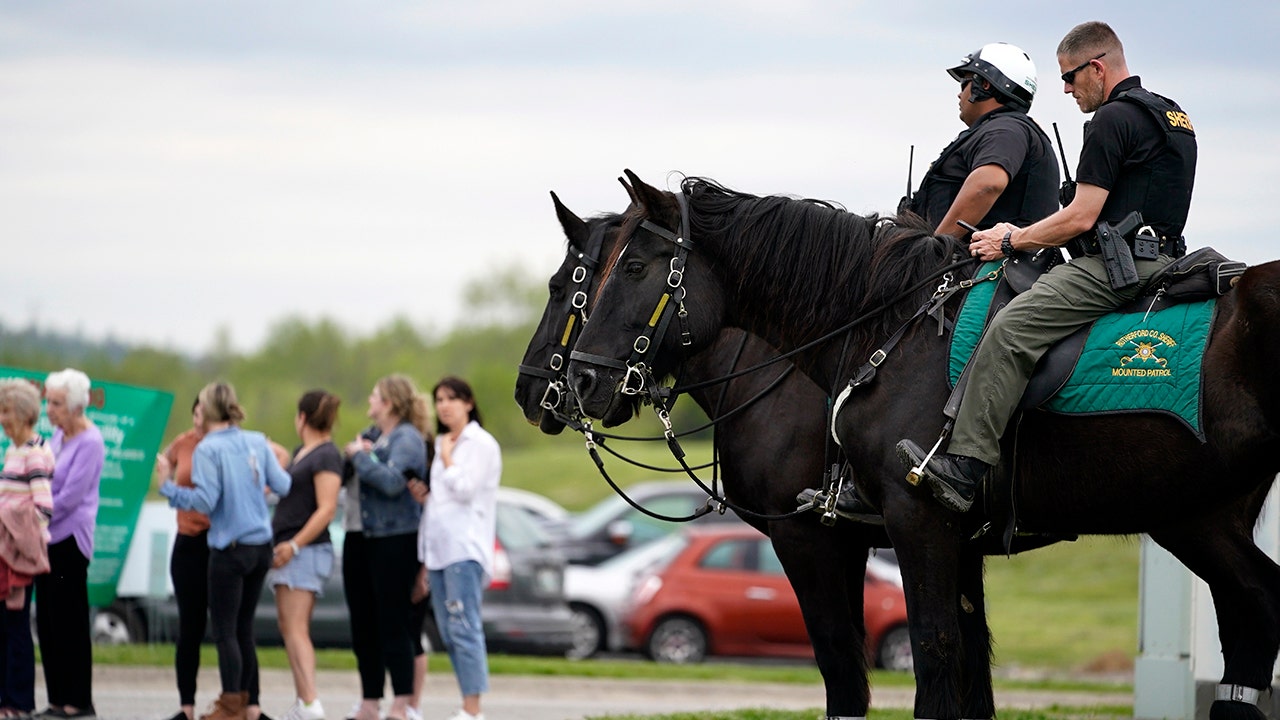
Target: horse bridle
[
  {"x": 574, "y": 307},
  {"x": 669, "y": 304},
  {"x": 638, "y": 376}
]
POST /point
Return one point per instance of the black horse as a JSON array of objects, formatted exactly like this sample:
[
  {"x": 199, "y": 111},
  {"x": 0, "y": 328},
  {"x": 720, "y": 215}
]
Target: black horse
[
  {"x": 790, "y": 271},
  {"x": 770, "y": 451}
]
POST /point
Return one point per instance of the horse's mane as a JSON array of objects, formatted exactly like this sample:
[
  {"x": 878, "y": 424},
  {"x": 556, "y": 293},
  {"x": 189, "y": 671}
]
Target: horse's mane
[{"x": 845, "y": 263}]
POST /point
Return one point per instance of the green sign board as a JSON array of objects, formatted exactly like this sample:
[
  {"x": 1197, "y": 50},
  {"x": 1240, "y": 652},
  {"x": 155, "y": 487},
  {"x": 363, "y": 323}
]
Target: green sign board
[{"x": 132, "y": 421}]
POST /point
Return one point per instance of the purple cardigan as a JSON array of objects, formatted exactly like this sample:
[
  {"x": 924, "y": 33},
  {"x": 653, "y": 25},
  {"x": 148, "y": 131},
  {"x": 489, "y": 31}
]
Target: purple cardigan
[{"x": 76, "y": 474}]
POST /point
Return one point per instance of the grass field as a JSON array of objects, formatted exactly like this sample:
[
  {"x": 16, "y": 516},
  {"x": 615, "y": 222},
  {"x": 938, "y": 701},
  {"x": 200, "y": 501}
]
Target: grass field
[{"x": 1064, "y": 608}]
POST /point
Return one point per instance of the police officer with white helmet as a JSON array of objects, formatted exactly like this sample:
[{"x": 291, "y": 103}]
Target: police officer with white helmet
[{"x": 1002, "y": 168}]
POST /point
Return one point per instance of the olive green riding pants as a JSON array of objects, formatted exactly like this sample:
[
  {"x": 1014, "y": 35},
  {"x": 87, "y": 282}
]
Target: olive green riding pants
[{"x": 1060, "y": 302}]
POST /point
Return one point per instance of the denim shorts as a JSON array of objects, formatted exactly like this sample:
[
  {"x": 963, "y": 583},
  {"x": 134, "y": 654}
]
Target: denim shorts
[{"x": 308, "y": 570}]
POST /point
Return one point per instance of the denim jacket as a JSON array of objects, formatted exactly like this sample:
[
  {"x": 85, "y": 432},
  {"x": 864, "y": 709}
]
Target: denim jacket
[{"x": 386, "y": 507}]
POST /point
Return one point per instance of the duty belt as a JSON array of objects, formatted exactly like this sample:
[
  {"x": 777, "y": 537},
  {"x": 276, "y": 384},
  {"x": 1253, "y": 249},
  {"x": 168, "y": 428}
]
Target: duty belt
[{"x": 1087, "y": 244}]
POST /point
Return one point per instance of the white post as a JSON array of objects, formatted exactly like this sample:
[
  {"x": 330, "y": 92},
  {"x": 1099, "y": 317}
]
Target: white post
[{"x": 1163, "y": 686}]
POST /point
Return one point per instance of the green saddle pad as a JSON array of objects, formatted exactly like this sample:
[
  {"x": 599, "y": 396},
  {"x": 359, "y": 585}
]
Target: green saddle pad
[{"x": 1131, "y": 361}]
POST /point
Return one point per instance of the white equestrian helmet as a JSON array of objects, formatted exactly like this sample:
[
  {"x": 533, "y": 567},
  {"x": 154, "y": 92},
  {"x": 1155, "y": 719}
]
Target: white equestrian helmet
[{"x": 1007, "y": 67}]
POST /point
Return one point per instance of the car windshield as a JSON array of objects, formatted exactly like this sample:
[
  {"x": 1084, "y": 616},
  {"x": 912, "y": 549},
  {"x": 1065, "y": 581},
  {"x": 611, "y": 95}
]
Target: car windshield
[
  {"x": 517, "y": 530},
  {"x": 660, "y": 500},
  {"x": 653, "y": 555},
  {"x": 596, "y": 517}
]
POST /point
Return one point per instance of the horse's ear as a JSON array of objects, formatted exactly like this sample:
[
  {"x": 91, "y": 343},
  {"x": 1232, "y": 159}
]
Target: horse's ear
[
  {"x": 575, "y": 228},
  {"x": 647, "y": 196},
  {"x": 631, "y": 192}
]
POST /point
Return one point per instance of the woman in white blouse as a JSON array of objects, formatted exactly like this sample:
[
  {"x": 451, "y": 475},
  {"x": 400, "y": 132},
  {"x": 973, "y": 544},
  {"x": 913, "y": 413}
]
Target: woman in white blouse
[{"x": 458, "y": 539}]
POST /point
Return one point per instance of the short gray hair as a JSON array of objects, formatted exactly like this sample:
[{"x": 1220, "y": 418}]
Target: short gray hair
[
  {"x": 1091, "y": 38},
  {"x": 21, "y": 397},
  {"x": 75, "y": 383}
]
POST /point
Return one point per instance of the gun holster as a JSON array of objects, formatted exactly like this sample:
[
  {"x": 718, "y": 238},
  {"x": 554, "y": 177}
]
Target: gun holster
[{"x": 1116, "y": 255}]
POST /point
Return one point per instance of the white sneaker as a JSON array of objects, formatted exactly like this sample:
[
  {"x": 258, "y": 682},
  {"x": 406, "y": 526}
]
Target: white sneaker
[
  {"x": 464, "y": 715},
  {"x": 299, "y": 711},
  {"x": 411, "y": 713},
  {"x": 354, "y": 712}
]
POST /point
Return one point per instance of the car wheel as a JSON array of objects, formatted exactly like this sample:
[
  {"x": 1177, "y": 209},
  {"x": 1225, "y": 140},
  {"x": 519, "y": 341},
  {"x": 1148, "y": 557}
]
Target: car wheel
[
  {"x": 118, "y": 624},
  {"x": 677, "y": 640},
  {"x": 588, "y": 633},
  {"x": 894, "y": 652}
]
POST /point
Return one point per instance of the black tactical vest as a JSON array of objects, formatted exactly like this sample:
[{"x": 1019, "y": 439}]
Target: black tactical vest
[
  {"x": 1161, "y": 187},
  {"x": 941, "y": 184}
]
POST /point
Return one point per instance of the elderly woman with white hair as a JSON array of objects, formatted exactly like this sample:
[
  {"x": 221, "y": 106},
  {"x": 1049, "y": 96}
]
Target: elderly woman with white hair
[
  {"x": 63, "y": 620},
  {"x": 26, "y": 503}
]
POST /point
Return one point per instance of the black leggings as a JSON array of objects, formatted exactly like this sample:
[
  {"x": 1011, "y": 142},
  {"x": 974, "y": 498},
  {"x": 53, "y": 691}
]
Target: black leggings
[
  {"x": 189, "y": 568},
  {"x": 62, "y": 622},
  {"x": 236, "y": 575},
  {"x": 17, "y": 658},
  {"x": 357, "y": 585},
  {"x": 378, "y": 575},
  {"x": 394, "y": 560}
]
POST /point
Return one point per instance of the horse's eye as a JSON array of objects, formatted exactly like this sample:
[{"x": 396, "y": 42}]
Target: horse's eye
[
  {"x": 634, "y": 267},
  {"x": 556, "y": 291}
]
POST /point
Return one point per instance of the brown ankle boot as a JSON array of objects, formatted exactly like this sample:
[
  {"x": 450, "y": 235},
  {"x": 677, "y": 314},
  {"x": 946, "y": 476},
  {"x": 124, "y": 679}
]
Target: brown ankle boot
[{"x": 228, "y": 706}]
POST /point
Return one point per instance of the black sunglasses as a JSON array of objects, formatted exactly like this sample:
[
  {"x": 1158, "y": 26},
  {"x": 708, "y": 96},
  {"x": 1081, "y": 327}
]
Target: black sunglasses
[{"x": 1069, "y": 77}]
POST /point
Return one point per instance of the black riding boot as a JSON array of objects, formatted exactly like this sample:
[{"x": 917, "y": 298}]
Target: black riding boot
[
  {"x": 849, "y": 504},
  {"x": 954, "y": 479}
]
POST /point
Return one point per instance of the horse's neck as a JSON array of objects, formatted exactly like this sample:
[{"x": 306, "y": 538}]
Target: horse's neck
[
  {"x": 775, "y": 302},
  {"x": 736, "y": 351}
]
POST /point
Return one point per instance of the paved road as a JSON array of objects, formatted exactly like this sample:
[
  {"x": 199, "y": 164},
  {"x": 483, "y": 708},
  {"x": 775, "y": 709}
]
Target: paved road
[{"x": 148, "y": 693}]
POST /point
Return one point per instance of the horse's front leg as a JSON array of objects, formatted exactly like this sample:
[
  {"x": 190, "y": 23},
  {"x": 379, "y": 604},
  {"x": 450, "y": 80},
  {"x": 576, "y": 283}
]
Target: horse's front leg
[
  {"x": 930, "y": 552},
  {"x": 977, "y": 699},
  {"x": 826, "y": 568}
]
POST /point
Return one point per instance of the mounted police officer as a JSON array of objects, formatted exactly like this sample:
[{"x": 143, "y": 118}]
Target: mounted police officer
[
  {"x": 1000, "y": 169},
  {"x": 1139, "y": 154}
]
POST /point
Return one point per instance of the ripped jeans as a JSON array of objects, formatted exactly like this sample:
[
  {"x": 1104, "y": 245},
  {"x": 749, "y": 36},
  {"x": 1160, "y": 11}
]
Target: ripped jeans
[{"x": 455, "y": 600}]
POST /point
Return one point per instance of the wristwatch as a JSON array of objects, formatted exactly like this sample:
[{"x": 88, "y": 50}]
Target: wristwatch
[{"x": 1006, "y": 246}]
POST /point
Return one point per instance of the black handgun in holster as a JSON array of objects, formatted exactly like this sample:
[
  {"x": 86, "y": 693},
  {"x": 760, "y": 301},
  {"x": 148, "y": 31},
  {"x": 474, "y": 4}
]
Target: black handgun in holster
[{"x": 1116, "y": 255}]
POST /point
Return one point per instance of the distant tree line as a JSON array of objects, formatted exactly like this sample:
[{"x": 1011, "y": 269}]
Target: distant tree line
[{"x": 298, "y": 355}]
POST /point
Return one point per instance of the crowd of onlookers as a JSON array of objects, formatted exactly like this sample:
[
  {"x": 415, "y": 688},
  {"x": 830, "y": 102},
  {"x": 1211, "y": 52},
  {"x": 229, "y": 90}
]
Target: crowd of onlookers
[
  {"x": 48, "y": 511},
  {"x": 419, "y": 521}
]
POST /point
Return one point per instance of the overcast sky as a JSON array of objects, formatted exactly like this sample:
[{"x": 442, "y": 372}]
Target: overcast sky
[{"x": 170, "y": 168}]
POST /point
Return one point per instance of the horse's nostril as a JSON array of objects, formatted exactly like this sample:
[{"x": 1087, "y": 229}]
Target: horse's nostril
[{"x": 584, "y": 382}]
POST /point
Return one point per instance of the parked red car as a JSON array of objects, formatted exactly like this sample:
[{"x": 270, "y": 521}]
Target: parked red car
[{"x": 725, "y": 593}]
